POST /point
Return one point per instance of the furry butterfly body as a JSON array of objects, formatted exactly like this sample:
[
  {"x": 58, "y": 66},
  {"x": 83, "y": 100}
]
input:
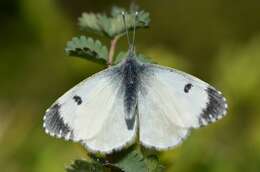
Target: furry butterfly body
[{"x": 107, "y": 111}]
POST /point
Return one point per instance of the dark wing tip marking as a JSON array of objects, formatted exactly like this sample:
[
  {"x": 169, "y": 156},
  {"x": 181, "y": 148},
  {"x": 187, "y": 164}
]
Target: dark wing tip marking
[
  {"x": 54, "y": 124},
  {"x": 216, "y": 107}
]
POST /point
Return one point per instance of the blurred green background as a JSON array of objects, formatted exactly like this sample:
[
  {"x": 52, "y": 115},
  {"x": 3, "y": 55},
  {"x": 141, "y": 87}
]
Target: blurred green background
[{"x": 217, "y": 41}]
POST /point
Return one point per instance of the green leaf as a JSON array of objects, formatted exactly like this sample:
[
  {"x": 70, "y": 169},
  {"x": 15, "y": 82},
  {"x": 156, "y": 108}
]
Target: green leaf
[
  {"x": 113, "y": 25},
  {"x": 85, "y": 166},
  {"x": 90, "y": 22},
  {"x": 87, "y": 48},
  {"x": 122, "y": 55},
  {"x": 135, "y": 161},
  {"x": 153, "y": 165},
  {"x": 117, "y": 11},
  {"x": 132, "y": 162}
]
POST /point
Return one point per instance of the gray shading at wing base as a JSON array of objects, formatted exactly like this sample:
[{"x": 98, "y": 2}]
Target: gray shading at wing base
[
  {"x": 215, "y": 109},
  {"x": 54, "y": 124}
]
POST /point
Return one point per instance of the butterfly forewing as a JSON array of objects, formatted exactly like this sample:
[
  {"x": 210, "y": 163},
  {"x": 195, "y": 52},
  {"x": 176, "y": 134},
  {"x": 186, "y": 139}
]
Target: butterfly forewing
[
  {"x": 171, "y": 102},
  {"x": 93, "y": 113}
]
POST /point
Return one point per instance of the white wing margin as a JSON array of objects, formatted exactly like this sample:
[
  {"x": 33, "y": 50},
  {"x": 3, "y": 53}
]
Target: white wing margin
[
  {"x": 171, "y": 102},
  {"x": 92, "y": 113}
]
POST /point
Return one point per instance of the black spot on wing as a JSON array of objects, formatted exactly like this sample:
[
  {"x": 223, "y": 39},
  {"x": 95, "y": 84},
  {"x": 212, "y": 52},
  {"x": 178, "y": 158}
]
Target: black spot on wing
[
  {"x": 77, "y": 99},
  {"x": 215, "y": 109},
  {"x": 54, "y": 124},
  {"x": 187, "y": 87}
]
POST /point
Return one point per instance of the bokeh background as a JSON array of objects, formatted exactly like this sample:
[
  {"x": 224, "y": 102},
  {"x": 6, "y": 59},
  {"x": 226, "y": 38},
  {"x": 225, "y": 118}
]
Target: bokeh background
[{"x": 216, "y": 40}]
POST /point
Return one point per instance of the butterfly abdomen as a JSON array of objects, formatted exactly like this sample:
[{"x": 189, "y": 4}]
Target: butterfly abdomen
[{"x": 130, "y": 70}]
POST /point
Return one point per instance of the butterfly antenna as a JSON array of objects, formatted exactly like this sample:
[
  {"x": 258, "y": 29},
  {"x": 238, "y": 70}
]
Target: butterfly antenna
[
  {"x": 135, "y": 19},
  {"x": 126, "y": 30}
]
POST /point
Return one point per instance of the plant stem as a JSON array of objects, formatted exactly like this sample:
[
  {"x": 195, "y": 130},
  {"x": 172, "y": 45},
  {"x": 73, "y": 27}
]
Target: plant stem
[{"x": 112, "y": 50}]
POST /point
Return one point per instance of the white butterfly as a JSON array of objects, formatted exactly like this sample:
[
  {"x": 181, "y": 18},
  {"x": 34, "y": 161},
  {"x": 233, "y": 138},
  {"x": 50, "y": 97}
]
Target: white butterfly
[{"x": 158, "y": 105}]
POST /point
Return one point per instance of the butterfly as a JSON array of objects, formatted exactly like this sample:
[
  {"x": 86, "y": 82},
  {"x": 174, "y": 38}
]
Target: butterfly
[{"x": 133, "y": 99}]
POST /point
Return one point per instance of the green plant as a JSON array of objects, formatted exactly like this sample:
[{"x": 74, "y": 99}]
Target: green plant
[{"x": 132, "y": 159}]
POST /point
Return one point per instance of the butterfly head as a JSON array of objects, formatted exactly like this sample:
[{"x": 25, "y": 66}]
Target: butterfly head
[{"x": 131, "y": 43}]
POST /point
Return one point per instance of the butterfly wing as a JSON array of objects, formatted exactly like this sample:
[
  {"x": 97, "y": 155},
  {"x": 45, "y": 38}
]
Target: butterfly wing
[
  {"x": 171, "y": 102},
  {"x": 92, "y": 113}
]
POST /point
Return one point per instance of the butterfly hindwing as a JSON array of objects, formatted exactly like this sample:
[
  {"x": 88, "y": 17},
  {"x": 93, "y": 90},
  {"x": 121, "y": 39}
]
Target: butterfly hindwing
[
  {"x": 93, "y": 113},
  {"x": 171, "y": 102}
]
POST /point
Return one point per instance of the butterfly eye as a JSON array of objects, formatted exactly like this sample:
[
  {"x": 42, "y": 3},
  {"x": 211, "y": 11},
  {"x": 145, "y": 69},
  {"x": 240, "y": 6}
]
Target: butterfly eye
[
  {"x": 187, "y": 87},
  {"x": 77, "y": 99}
]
